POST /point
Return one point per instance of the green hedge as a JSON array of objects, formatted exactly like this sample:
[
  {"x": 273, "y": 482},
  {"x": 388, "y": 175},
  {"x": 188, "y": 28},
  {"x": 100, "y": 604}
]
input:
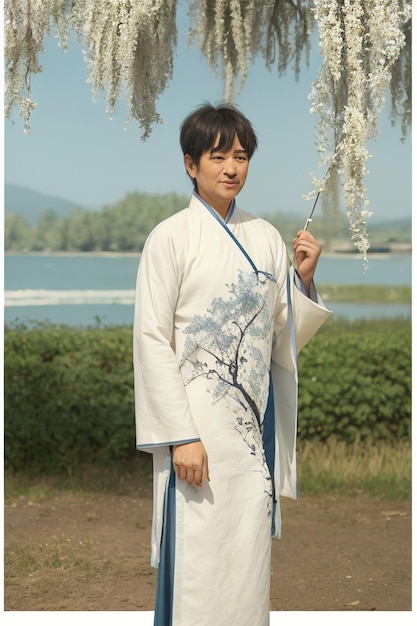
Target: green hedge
[
  {"x": 68, "y": 398},
  {"x": 355, "y": 381},
  {"x": 69, "y": 392}
]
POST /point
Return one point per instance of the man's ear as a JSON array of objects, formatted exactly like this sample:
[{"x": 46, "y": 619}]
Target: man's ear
[{"x": 190, "y": 166}]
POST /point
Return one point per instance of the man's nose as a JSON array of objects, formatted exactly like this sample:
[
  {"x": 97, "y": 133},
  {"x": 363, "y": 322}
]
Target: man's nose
[{"x": 230, "y": 167}]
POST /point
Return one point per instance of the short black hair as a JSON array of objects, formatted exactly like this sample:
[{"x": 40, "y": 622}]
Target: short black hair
[{"x": 200, "y": 129}]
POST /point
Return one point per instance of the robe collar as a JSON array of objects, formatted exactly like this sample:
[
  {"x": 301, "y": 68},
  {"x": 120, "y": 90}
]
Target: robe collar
[{"x": 214, "y": 212}]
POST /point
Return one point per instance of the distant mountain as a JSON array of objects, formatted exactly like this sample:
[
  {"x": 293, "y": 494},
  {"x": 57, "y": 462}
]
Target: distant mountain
[{"x": 30, "y": 203}]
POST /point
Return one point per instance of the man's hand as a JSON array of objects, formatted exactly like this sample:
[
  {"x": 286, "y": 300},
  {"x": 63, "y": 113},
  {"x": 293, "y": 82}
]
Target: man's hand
[
  {"x": 191, "y": 463},
  {"x": 307, "y": 251}
]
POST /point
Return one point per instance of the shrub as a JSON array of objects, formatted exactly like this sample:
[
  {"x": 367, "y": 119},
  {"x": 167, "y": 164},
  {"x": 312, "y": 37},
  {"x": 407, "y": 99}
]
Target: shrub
[
  {"x": 68, "y": 397},
  {"x": 355, "y": 382},
  {"x": 69, "y": 392}
]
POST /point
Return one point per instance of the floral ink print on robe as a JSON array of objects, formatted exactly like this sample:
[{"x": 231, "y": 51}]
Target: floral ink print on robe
[{"x": 231, "y": 347}]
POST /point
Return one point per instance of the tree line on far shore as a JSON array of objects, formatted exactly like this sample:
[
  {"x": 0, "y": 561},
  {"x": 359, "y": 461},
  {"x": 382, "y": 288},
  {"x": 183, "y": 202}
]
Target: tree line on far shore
[
  {"x": 121, "y": 227},
  {"x": 125, "y": 225}
]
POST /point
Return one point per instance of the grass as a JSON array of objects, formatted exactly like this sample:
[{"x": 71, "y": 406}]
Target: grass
[
  {"x": 120, "y": 478},
  {"x": 31, "y": 558},
  {"x": 379, "y": 469},
  {"x": 365, "y": 293}
]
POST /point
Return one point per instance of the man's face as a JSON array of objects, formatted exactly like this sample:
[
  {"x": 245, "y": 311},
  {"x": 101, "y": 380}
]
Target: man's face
[{"x": 220, "y": 175}]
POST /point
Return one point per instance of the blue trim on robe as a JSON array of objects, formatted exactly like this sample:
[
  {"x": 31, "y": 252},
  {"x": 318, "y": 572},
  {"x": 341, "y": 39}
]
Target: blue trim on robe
[
  {"x": 165, "y": 583},
  {"x": 268, "y": 439},
  {"x": 291, "y": 317},
  {"x": 145, "y": 446},
  {"x": 293, "y": 344}
]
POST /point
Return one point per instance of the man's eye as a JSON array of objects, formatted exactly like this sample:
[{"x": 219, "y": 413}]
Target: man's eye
[
  {"x": 241, "y": 159},
  {"x": 217, "y": 157}
]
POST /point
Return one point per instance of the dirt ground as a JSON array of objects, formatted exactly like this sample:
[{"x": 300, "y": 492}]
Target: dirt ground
[{"x": 90, "y": 552}]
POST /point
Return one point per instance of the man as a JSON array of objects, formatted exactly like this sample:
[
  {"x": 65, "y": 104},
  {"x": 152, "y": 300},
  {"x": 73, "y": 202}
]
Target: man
[{"x": 219, "y": 318}]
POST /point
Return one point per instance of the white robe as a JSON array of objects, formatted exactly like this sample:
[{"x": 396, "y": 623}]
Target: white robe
[{"x": 214, "y": 323}]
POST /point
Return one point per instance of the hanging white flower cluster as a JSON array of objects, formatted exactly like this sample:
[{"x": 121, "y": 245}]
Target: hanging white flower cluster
[
  {"x": 227, "y": 30},
  {"x": 360, "y": 42},
  {"x": 233, "y": 32},
  {"x": 26, "y": 23},
  {"x": 127, "y": 43},
  {"x": 289, "y": 25},
  {"x": 400, "y": 85}
]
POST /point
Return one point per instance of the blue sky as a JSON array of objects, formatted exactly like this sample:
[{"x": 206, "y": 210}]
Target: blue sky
[{"x": 74, "y": 151}]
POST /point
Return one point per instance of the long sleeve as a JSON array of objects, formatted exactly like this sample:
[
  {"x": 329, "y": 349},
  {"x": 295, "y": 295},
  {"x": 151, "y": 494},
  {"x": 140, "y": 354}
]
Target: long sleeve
[
  {"x": 163, "y": 415},
  {"x": 297, "y": 319}
]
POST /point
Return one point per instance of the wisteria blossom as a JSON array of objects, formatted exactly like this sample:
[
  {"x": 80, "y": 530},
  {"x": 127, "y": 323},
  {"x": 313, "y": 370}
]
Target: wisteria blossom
[
  {"x": 233, "y": 32},
  {"x": 128, "y": 44},
  {"x": 26, "y": 24},
  {"x": 229, "y": 32},
  {"x": 360, "y": 43}
]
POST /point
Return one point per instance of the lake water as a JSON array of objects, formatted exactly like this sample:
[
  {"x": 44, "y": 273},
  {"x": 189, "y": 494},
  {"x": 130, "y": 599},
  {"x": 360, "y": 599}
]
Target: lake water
[{"x": 84, "y": 290}]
